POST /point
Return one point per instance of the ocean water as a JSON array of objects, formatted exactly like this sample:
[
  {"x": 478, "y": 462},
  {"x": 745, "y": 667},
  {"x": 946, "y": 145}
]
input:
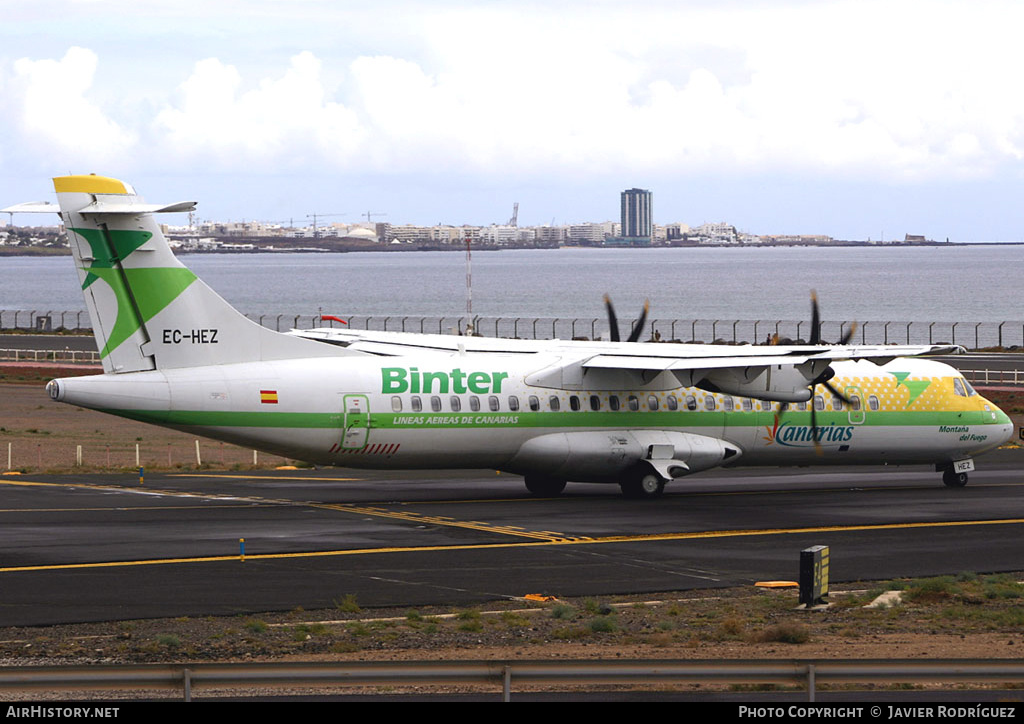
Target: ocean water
[{"x": 968, "y": 284}]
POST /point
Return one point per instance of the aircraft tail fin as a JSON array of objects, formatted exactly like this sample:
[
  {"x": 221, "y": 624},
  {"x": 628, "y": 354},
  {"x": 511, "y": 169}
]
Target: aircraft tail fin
[{"x": 148, "y": 310}]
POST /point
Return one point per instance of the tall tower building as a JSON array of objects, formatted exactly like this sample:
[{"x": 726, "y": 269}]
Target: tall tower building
[{"x": 637, "y": 209}]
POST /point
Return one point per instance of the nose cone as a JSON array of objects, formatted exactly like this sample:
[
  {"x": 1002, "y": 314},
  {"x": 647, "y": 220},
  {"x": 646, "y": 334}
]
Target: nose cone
[{"x": 1002, "y": 426}]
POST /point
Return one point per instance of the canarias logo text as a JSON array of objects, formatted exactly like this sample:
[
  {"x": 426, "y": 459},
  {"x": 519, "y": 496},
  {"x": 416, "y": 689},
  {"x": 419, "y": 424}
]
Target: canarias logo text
[
  {"x": 804, "y": 435},
  {"x": 395, "y": 380}
]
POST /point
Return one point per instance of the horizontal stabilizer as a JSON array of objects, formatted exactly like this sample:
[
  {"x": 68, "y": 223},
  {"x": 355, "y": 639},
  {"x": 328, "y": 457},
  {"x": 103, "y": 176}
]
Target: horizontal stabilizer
[
  {"x": 32, "y": 207},
  {"x": 119, "y": 207}
]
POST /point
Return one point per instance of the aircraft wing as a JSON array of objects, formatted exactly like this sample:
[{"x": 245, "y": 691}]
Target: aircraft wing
[
  {"x": 666, "y": 358},
  {"x": 640, "y": 356}
]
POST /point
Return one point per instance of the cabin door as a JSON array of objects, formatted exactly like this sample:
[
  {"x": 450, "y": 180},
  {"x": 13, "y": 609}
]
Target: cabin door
[
  {"x": 856, "y": 408},
  {"x": 357, "y": 422}
]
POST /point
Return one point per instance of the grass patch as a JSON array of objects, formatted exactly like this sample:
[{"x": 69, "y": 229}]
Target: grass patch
[
  {"x": 348, "y": 604},
  {"x": 256, "y": 626},
  {"x": 603, "y": 624},
  {"x": 563, "y": 612},
  {"x": 783, "y": 633}
]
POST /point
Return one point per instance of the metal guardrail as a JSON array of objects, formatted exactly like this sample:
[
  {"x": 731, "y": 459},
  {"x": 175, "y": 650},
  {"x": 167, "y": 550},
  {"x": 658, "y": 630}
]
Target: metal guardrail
[
  {"x": 973, "y": 335},
  {"x": 65, "y": 356},
  {"x": 809, "y": 673},
  {"x": 994, "y": 377}
]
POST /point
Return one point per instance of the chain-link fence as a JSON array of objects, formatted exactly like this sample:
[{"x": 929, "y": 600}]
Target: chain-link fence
[{"x": 972, "y": 335}]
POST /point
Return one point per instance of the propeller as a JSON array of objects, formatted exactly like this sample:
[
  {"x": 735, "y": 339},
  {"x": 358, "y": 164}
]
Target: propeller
[
  {"x": 826, "y": 375},
  {"x": 613, "y": 321}
]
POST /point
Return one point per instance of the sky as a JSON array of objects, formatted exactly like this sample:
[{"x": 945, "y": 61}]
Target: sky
[{"x": 857, "y": 119}]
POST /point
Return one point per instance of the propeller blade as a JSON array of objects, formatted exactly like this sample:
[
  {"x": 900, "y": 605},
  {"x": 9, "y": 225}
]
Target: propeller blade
[
  {"x": 613, "y": 321},
  {"x": 849, "y": 334},
  {"x": 815, "y": 319},
  {"x": 814, "y": 424},
  {"x": 639, "y": 328},
  {"x": 836, "y": 392}
]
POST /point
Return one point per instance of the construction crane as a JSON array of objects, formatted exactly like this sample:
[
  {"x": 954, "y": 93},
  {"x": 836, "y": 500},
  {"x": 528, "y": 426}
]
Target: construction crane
[
  {"x": 314, "y": 217},
  {"x": 368, "y": 214},
  {"x": 515, "y": 215}
]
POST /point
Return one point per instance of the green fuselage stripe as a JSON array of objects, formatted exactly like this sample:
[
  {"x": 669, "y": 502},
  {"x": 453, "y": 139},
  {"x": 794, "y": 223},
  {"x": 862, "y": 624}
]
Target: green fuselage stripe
[{"x": 581, "y": 419}]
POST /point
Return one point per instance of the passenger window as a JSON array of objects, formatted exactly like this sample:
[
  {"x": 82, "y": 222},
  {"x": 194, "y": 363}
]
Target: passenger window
[
  {"x": 474, "y": 403},
  {"x": 574, "y": 403},
  {"x": 801, "y": 405},
  {"x": 456, "y": 403},
  {"x": 554, "y": 403},
  {"x": 595, "y": 403},
  {"x": 613, "y": 402},
  {"x": 435, "y": 403},
  {"x": 417, "y": 403},
  {"x": 691, "y": 402},
  {"x": 837, "y": 403},
  {"x": 727, "y": 403},
  {"x": 493, "y": 403},
  {"x": 652, "y": 403},
  {"x": 396, "y": 404},
  {"x": 748, "y": 404},
  {"x": 534, "y": 403},
  {"x": 709, "y": 402},
  {"x": 854, "y": 402},
  {"x": 819, "y": 402},
  {"x": 872, "y": 402},
  {"x": 671, "y": 402},
  {"x": 513, "y": 403},
  {"x": 634, "y": 403}
]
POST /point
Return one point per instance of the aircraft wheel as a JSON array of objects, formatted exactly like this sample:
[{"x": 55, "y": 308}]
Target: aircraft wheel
[
  {"x": 542, "y": 486},
  {"x": 647, "y": 485},
  {"x": 953, "y": 479}
]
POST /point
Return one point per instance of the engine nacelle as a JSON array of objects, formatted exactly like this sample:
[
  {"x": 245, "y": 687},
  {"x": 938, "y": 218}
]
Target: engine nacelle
[
  {"x": 603, "y": 456},
  {"x": 780, "y": 383}
]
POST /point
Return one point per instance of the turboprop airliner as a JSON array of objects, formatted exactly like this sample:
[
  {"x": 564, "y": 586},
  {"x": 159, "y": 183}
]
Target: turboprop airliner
[{"x": 640, "y": 415}]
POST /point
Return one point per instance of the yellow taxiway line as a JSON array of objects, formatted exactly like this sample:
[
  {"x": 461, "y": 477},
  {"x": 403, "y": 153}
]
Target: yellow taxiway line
[{"x": 521, "y": 544}]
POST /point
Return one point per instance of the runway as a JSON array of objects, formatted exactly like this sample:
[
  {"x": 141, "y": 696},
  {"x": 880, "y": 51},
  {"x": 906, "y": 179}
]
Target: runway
[{"x": 103, "y": 547}]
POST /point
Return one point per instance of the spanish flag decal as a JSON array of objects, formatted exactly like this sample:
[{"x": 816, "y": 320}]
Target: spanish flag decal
[{"x": 268, "y": 397}]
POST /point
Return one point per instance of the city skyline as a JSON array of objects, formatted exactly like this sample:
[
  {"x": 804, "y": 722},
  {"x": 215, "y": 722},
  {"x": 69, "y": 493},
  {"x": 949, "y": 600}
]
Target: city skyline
[{"x": 777, "y": 116}]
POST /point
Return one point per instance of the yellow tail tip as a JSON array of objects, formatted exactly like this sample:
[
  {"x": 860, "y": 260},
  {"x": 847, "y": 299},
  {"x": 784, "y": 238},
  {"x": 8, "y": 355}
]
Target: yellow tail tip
[{"x": 90, "y": 184}]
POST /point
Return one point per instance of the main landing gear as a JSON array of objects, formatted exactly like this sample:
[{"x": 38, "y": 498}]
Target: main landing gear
[
  {"x": 543, "y": 486},
  {"x": 643, "y": 485}
]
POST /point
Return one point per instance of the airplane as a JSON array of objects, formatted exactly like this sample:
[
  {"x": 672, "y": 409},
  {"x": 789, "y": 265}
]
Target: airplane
[{"x": 640, "y": 415}]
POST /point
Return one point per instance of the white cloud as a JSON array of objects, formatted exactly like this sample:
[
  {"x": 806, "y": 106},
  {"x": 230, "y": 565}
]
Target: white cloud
[
  {"x": 867, "y": 89},
  {"x": 55, "y": 117},
  {"x": 285, "y": 121}
]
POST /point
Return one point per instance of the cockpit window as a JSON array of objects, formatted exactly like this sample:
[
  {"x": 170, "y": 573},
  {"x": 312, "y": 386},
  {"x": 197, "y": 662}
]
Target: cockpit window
[
  {"x": 971, "y": 392},
  {"x": 958, "y": 387}
]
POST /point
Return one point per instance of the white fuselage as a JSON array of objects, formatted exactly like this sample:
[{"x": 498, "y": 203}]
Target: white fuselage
[{"x": 481, "y": 410}]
